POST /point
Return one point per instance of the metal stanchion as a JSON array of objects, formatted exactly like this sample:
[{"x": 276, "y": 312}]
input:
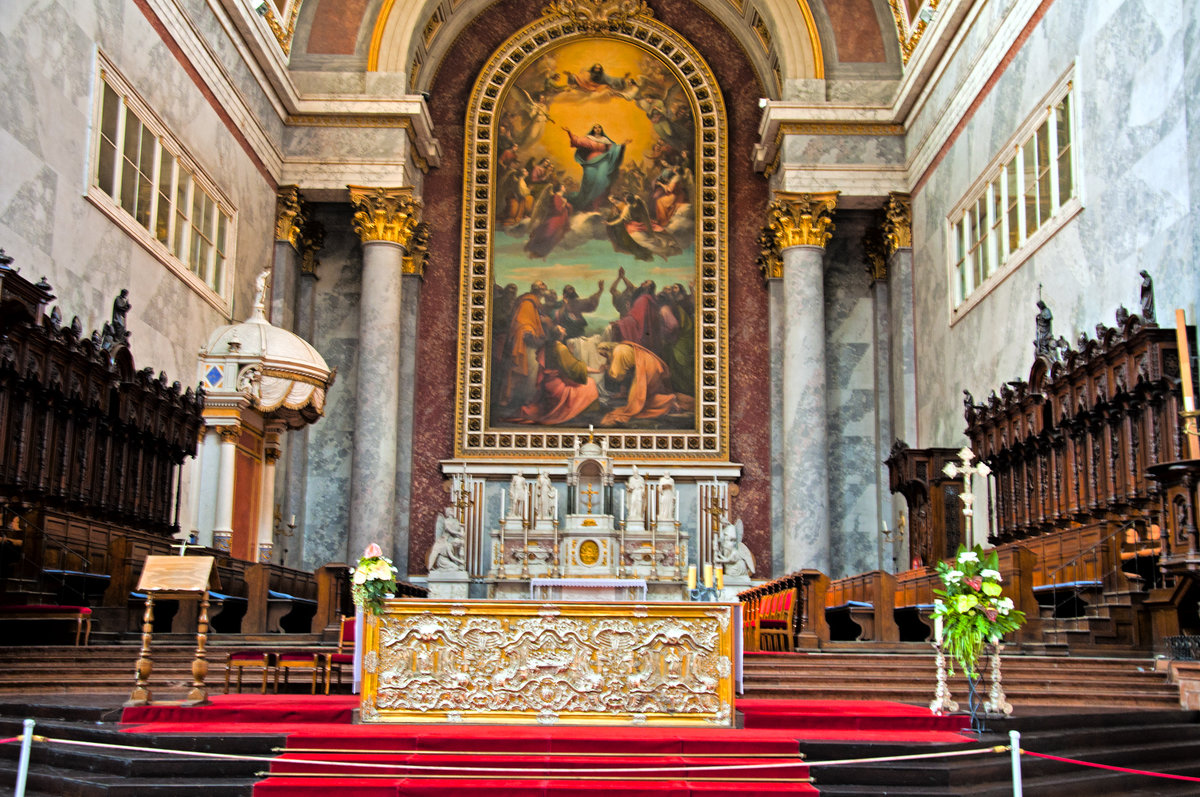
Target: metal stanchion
[
  {"x": 23, "y": 766},
  {"x": 1014, "y": 743}
]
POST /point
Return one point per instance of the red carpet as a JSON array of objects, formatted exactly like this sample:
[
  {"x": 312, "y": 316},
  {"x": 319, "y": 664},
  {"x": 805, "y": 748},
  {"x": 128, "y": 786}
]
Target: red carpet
[{"x": 450, "y": 760}]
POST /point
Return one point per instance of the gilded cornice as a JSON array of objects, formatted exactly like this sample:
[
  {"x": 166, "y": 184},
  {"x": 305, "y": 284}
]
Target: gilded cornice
[
  {"x": 875, "y": 252},
  {"x": 417, "y": 251},
  {"x": 910, "y": 35},
  {"x": 839, "y": 129},
  {"x": 802, "y": 219},
  {"x": 289, "y": 215},
  {"x": 312, "y": 238},
  {"x": 897, "y": 227},
  {"x": 283, "y": 33},
  {"x": 598, "y": 14},
  {"x": 385, "y": 214}
]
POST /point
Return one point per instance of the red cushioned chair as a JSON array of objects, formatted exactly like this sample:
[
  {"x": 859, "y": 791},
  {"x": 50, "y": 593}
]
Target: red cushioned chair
[
  {"x": 315, "y": 661},
  {"x": 344, "y": 657},
  {"x": 241, "y": 659},
  {"x": 775, "y": 622}
]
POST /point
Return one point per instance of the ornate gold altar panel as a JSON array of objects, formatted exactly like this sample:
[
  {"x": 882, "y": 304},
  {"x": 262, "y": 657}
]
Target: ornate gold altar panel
[{"x": 529, "y": 662}]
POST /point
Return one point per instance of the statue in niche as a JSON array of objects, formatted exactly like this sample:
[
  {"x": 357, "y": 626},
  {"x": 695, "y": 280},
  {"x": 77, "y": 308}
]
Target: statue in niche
[
  {"x": 635, "y": 490},
  {"x": 1147, "y": 298},
  {"x": 120, "y": 309},
  {"x": 547, "y": 497},
  {"x": 1041, "y": 343},
  {"x": 666, "y": 499},
  {"x": 516, "y": 496},
  {"x": 447, "y": 554},
  {"x": 730, "y": 552}
]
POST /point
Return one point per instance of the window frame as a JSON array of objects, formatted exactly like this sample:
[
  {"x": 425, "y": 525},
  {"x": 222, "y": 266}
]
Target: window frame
[
  {"x": 219, "y": 293},
  {"x": 1003, "y": 191}
]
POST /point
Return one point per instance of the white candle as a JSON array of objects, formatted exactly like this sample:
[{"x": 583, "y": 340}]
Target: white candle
[
  {"x": 622, "y": 512},
  {"x": 292, "y": 522},
  {"x": 720, "y": 577},
  {"x": 503, "y": 497},
  {"x": 707, "y": 575},
  {"x": 937, "y": 629},
  {"x": 691, "y": 576}
]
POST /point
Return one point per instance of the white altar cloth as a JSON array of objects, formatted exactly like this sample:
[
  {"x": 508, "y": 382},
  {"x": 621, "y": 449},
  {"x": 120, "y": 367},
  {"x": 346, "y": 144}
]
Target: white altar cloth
[{"x": 587, "y": 589}]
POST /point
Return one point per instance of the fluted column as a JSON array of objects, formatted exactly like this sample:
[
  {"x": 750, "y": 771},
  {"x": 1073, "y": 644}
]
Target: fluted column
[
  {"x": 385, "y": 219},
  {"x": 801, "y": 225},
  {"x": 289, "y": 221},
  {"x": 898, "y": 232},
  {"x": 223, "y": 521}
]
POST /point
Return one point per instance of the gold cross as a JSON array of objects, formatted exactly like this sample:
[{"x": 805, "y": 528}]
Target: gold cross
[
  {"x": 590, "y": 492},
  {"x": 183, "y": 546},
  {"x": 715, "y": 509},
  {"x": 464, "y": 501}
]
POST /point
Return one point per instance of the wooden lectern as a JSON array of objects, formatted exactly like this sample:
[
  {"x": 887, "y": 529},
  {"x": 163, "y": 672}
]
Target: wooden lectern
[{"x": 180, "y": 578}]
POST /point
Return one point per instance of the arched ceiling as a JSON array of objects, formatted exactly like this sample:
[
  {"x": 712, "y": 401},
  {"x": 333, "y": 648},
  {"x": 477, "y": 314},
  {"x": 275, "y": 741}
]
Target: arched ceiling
[{"x": 788, "y": 42}]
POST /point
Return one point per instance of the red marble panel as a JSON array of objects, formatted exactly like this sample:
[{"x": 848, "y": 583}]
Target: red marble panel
[
  {"x": 335, "y": 27},
  {"x": 749, "y": 369},
  {"x": 856, "y": 31}
]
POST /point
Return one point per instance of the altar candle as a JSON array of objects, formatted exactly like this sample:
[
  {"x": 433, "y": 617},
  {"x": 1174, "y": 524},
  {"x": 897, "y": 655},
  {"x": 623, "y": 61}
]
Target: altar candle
[
  {"x": 691, "y": 576},
  {"x": 720, "y": 577},
  {"x": 707, "y": 575},
  {"x": 937, "y": 629},
  {"x": 621, "y": 495},
  {"x": 292, "y": 521},
  {"x": 503, "y": 499}
]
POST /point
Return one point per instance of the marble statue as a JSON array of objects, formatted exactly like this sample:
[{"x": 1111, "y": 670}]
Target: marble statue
[
  {"x": 730, "y": 552},
  {"x": 546, "y": 498},
  {"x": 260, "y": 289},
  {"x": 516, "y": 496},
  {"x": 666, "y": 499},
  {"x": 448, "y": 550},
  {"x": 1041, "y": 343},
  {"x": 635, "y": 495},
  {"x": 1147, "y": 298}
]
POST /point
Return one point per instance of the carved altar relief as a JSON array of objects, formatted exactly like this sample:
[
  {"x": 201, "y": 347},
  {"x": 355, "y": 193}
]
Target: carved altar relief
[{"x": 490, "y": 661}]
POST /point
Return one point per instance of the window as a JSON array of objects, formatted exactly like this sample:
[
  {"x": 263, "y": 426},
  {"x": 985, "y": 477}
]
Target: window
[
  {"x": 1026, "y": 194},
  {"x": 147, "y": 183}
]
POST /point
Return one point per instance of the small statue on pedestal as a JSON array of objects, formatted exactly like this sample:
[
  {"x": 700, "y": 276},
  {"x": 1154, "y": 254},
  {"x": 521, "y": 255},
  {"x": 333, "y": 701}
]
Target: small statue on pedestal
[
  {"x": 666, "y": 499},
  {"x": 635, "y": 490},
  {"x": 730, "y": 552},
  {"x": 516, "y": 496},
  {"x": 547, "y": 497},
  {"x": 448, "y": 550}
]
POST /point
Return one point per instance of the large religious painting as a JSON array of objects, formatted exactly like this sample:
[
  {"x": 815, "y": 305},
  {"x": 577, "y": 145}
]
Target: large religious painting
[{"x": 593, "y": 298}]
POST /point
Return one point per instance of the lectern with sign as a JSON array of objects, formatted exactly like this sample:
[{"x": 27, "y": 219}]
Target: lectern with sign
[{"x": 179, "y": 578}]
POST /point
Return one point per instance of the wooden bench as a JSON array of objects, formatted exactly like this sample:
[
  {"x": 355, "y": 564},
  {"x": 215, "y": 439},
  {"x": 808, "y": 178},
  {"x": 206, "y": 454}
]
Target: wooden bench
[
  {"x": 867, "y": 600},
  {"x": 80, "y": 615}
]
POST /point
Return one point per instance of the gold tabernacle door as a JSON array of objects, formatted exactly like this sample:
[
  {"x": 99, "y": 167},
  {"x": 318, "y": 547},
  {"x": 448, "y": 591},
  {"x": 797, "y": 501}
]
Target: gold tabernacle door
[{"x": 528, "y": 662}]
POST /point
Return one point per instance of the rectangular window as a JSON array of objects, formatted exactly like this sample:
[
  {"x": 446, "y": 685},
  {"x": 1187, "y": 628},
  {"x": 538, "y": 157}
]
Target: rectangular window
[
  {"x": 151, "y": 181},
  {"x": 1019, "y": 199}
]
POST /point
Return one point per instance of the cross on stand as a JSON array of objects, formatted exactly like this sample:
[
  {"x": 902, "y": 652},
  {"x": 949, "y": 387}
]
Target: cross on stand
[
  {"x": 967, "y": 471},
  {"x": 591, "y": 492},
  {"x": 462, "y": 502},
  {"x": 184, "y": 544}
]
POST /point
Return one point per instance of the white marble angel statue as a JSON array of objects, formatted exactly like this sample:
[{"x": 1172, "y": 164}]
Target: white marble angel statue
[
  {"x": 635, "y": 496},
  {"x": 730, "y": 552},
  {"x": 448, "y": 549}
]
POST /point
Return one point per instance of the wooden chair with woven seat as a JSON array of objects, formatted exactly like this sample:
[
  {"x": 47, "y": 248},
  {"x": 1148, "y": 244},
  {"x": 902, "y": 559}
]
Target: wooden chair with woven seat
[
  {"x": 344, "y": 657},
  {"x": 314, "y": 660},
  {"x": 241, "y": 659}
]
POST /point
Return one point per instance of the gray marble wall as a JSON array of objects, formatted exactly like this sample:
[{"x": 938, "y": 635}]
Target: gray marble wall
[
  {"x": 1135, "y": 90},
  {"x": 850, "y": 382},
  {"x": 331, "y": 440}
]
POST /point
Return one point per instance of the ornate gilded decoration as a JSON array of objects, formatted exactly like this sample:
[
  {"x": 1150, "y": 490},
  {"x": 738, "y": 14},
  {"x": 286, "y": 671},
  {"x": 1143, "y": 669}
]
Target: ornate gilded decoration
[
  {"x": 770, "y": 258},
  {"x": 284, "y": 33},
  {"x": 385, "y": 214},
  {"x": 528, "y": 663},
  {"x": 598, "y": 15},
  {"x": 874, "y": 249},
  {"x": 897, "y": 227},
  {"x": 802, "y": 219},
  {"x": 907, "y": 33},
  {"x": 289, "y": 215},
  {"x": 563, "y": 26},
  {"x": 312, "y": 242},
  {"x": 229, "y": 434},
  {"x": 417, "y": 251}
]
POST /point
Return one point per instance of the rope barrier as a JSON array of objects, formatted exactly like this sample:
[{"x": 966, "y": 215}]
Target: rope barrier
[{"x": 1126, "y": 770}]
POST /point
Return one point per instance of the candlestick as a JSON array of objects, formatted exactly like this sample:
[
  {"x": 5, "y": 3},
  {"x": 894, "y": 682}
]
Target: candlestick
[
  {"x": 691, "y": 582},
  {"x": 707, "y": 575},
  {"x": 937, "y": 629}
]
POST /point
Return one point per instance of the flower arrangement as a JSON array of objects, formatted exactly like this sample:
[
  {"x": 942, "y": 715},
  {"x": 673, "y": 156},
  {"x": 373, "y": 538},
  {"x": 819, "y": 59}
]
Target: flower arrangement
[
  {"x": 373, "y": 580},
  {"x": 972, "y": 609}
]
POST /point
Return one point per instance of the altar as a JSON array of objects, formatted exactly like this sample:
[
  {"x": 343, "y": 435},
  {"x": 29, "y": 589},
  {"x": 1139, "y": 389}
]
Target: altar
[{"x": 528, "y": 662}]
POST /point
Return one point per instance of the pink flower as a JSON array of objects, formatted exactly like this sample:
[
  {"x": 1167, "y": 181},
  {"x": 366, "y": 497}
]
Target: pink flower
[
  {"x": 373, "y": 550},
  {"x": 975, "y": 582},
  {"x": 991, "y": 614}
]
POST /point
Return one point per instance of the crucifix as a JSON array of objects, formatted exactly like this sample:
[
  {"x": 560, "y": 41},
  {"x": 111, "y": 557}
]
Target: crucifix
[
  {"x": 591, "y": 492},
  {"x": 967, "y": 471}
]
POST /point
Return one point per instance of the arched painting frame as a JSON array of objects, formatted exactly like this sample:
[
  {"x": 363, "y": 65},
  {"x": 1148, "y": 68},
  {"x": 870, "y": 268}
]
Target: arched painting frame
[{"x": 574, "y": 171}]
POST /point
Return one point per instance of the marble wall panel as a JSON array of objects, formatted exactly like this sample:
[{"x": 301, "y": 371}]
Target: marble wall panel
[
  {"x": 1133, "y": 143},
  {"x": 843, "y": 150}
]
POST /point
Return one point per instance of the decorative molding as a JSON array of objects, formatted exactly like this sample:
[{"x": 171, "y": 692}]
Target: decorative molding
[
  {"x": 312, "y": 239},
  {"x": 284, "y": 33},
  {"x": 802, "y": 219},
  {"x": 770, "y": 257},
  {"x": 385, "y": 214},
  {"x": 417, "y": 251},
  {"x": 230, "y": 434},
  {"x": 838, "y": 129},
  {"x": 289, "y": 215},
  {"x": 875, "y": 251},
  {"x": 908, "y": 34},
  {"x": 599, "y": 15},
  {"x": 897, "y": 226}
]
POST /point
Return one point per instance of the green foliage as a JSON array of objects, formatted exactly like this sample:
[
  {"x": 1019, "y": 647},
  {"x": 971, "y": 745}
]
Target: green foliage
[{"x": 972, "y": 607}]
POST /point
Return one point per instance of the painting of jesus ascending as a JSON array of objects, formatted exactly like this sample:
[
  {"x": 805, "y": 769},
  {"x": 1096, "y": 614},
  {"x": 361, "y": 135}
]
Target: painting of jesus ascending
[{"x": 593, "y": 262}]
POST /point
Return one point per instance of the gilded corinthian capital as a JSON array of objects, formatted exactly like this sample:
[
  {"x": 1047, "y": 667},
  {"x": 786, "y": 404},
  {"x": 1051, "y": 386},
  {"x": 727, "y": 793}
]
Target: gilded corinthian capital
[
  {"x": 802, "y": 219},
  {"x": 385, "y": 214},
  {"x": 897, "y": 227},
  {"x": 289, "y": 215}
]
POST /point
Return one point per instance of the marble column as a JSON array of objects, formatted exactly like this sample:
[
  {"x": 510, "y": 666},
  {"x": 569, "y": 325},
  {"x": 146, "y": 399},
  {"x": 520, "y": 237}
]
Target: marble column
[
  {"x": 223, "y": 519},
  {"x": 898, "y": 232},
  {"x": 266, "y": 507},
  {"x": 413, "y": 270},
  {"x": 876, "y": 254},
  {"x": 295, "y": 478},
  {"x": 289, "y": 220},
  {"x": 770, "y": 261},
  {"x": 385, "y": 219},
  {"x": 801, "y": 224}
]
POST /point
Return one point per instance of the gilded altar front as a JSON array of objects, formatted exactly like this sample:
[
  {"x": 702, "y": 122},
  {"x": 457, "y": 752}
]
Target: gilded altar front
[{"x": 544, "y": 663}]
